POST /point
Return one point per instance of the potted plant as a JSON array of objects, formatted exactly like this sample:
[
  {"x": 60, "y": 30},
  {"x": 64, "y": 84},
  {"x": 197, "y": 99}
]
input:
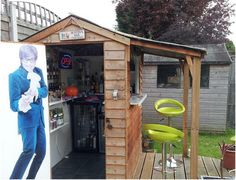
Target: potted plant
[{"x": 228, "y": 155}]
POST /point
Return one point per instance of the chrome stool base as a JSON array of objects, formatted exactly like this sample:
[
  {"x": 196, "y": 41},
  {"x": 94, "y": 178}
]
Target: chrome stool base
[
  {"x": 167, "y": 170},
  {"x": 172, "y": 163}
]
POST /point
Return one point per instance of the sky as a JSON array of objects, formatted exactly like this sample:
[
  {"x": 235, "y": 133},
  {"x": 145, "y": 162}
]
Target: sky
[{"x": 101, "y": 12}]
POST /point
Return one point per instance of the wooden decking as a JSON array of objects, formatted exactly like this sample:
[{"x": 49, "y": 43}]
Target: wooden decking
[{"x": 206, "y": 167}]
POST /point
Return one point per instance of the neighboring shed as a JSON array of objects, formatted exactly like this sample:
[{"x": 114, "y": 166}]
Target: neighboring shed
[
  {"x": 214, "y": 87},
  {"x": 123, "y": 120}
]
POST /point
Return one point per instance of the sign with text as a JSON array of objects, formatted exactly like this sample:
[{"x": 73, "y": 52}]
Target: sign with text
[{"x": 72, "y": 35}]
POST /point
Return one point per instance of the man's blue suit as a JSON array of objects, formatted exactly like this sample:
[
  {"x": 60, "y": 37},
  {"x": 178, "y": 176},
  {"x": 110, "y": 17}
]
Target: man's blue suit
[{"x": 30, "y": 124}]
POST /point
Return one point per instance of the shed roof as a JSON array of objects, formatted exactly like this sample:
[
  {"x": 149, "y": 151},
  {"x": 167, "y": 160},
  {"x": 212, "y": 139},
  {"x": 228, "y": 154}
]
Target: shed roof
[
  {"x": 145, "y": 45},
  {"x": 216, "y": 54}
]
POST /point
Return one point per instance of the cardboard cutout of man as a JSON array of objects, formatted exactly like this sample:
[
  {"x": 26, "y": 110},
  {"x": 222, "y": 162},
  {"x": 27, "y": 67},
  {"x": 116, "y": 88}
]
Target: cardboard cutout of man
[{"x": 26, "y": 90}]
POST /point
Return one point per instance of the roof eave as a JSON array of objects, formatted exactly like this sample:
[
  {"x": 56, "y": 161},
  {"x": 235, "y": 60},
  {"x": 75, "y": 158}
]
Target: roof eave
[{"x": 168, "y": 49}]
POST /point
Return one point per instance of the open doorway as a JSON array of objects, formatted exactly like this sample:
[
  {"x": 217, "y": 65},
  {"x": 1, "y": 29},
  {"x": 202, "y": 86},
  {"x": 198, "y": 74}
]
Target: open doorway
[{"x": 76, "y": 110}]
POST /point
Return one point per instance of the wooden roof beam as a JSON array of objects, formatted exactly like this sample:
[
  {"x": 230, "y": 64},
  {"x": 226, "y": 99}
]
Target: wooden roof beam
[
  {"x": 80, "y": 23},
  {"x": 190, "y": 64},
  {"x": 48, "y": 31},
  {"x": 174, "y": 49},
  {"x": 101, "y": 31}
]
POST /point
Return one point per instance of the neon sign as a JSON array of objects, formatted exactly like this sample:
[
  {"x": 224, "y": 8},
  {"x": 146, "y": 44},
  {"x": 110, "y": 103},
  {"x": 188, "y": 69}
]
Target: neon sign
[{"x": 65, "y": 61}]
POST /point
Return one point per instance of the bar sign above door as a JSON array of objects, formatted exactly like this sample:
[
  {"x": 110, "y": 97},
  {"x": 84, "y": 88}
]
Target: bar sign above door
[{"x": 72, "y": 35}]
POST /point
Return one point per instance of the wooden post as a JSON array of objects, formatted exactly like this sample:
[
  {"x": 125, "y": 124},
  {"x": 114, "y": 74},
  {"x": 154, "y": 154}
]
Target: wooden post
[
  {"x": 25, "y": 11},
  {"x": 41, "y": 16},
  {"x": 30, "y": 11},
  {"x": 195, "y": 118},
  {"x": 45, "y": 15},
  {"x": 115, "y": 60},
  {"x": 185, "y": 115},
  {"x": 35, "y": 14},
  {"x": 13, "y": 25}
]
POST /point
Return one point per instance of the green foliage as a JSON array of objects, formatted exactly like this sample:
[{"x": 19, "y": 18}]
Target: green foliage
[
  {"x": 179, "y": 21},
  {"x": 230, "y": 47},
  {"x": 208, "y": 143}
]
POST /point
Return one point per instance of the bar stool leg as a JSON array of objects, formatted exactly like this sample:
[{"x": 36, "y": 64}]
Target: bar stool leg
[
  {"x": 172, "y": 163},
  {"x": 164, "y": 158},
  {"x": 164, "y": 169}
]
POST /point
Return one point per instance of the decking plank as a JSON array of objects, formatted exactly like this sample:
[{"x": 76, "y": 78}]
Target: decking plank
[
  {"x": 210, "y": 168},
  {"x": 170, "y": 174},
  {"x": 201, "y": 167},
  {"x": 217, "y": 166},
  {"x": 140, "y": 165},
  {"x": 206, "y": 166},
  {"x": 187, "y": 167},
  {"x": 180, "y": 172},
  {"x": 148, "y": 166},
  {"x": 157, "y": 174}
]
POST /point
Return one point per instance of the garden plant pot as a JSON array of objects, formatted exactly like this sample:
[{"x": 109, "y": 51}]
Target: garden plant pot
[{"x": 229, "y": 159}]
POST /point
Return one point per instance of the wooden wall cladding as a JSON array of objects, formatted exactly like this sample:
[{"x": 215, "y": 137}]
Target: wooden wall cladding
[
  {"x": 115, "y": 110},
  {"x": 134, "y": 138}
]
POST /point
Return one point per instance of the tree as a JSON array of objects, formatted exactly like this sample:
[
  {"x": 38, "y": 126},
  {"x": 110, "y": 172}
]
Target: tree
[
  {"x": 178, "y": 21},
  {"x": 231, "y": 48}
]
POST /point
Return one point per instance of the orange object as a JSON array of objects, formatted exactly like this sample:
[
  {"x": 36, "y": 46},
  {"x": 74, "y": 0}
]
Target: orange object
[{"x": 71, "y": 91}]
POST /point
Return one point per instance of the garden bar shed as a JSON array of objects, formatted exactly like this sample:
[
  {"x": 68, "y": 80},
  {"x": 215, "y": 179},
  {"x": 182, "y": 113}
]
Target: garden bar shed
[{"x": 121, "y": 56}]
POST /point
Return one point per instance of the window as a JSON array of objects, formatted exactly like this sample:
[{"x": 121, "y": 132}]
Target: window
[
  {"x": 134, "y": 75},
  {"x": 204, "y": 83},
  {"x": 168, "y": 76}
]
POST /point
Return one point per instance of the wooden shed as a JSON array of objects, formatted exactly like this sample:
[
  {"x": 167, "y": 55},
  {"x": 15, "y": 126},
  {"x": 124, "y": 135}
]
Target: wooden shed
[
  {"x": 215, "y": 74},
  {"x": 123, "y": 64}
]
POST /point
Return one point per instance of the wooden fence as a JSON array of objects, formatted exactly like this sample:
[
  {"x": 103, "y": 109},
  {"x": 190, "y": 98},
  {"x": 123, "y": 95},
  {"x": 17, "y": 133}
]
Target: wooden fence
[{"x": 21, "y": 19}]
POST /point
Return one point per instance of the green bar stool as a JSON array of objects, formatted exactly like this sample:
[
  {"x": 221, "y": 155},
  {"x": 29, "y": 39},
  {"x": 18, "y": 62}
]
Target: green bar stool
[
  {"x": 165, "y": 135},
  {"x": 170, "y": 108}
]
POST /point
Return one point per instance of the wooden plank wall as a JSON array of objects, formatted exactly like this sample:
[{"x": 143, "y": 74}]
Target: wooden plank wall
[
  {"x": 24, "y": 29},
  {"x": 115, "y": 68},
  {"x": 213, "y": 100},
  {"x": 5, "y": 36},
  {"x": 4, "y": 20},
  {"x": 133, "y": 130},
  {"x": 134, "y": 138}
]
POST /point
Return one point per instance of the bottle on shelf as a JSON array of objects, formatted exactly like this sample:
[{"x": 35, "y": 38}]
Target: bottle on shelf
[
  {"x": 96, "y": 82},
  {"x": 92, "y": 84},
  {"x": 94, "y": 142},
  {"x": 101, "y": 84},
  {"x": 60, "y": 115}
]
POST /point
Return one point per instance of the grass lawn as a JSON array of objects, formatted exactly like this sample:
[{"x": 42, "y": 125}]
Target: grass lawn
[{"x": 208, "y": 143}]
